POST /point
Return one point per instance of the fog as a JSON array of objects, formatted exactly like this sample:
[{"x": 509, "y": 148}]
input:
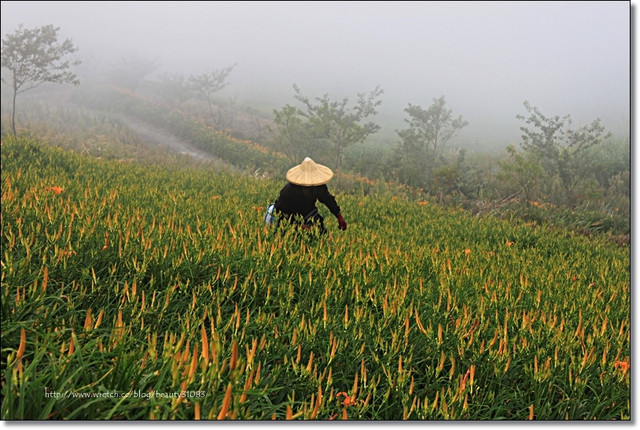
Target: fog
[{"x": 485, "y": 58}]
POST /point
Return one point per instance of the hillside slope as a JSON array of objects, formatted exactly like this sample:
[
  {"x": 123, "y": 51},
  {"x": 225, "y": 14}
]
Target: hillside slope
[{"x": 130, "y": 284}]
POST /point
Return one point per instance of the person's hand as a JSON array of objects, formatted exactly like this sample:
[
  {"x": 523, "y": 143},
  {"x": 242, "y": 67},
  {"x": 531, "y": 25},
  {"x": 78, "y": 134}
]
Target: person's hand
[{"x": 342, "y": 224}]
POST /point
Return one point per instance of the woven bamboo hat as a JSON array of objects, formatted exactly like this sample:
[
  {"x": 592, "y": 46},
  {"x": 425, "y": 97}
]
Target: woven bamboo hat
[{"x": 309, "y": 173}]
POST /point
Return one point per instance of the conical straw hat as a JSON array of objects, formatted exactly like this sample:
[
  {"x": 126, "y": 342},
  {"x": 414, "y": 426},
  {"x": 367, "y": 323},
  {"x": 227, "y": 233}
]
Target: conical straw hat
[{"x": 309, "y": 173}]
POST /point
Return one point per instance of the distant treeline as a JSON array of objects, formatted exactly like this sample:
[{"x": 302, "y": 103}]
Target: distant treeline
[{"x": 577, "y": 178}]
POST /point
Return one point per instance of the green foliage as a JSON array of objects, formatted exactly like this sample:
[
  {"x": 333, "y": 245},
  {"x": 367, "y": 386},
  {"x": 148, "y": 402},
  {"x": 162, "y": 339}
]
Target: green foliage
[
  {"x": 91, "y": 134},
  {"x": 522, "y": 173},
  {"x": 339, "y": 124},
  {"x": 295, "y": 138},
  {"x": 561, "y": 150},
  {"x": 128, "y": 283},
  {"x": 484, "y": 183},
  {"x": 371, "y": 162},
  {"x": 242, "y": 154},
  {"x": 422, "y": 143},
  {"x": 35, "y": 56}
]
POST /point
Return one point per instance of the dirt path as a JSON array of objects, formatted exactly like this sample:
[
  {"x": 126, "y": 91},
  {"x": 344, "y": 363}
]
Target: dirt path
[{"x": 157, "y": 137}]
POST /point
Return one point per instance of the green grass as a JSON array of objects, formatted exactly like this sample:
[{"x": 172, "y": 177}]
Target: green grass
[{"x": 129, "y": 278}]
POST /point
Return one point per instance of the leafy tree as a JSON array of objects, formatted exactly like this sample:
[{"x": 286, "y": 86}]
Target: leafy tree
[
  {"x": 422, "y": 143},
  {"x": 446, "y": 179},
  {"x": 209, "y": 83},
  {"x": 373, "y": 162},
  {"x": 560, "y": 148},
  {"x": 619, "y": 194},
  {"x": 293, "y": 137},
  {"x": 35, "y": 56},
  {"x": 522, "y": 174},
  {"x": 543, "y": 139},
  {"x": 610, "y": 159},
  {"x": 338, "y": 123}
]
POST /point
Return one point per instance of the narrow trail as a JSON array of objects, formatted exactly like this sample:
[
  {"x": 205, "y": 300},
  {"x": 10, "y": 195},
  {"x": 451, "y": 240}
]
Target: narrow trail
[
  {"x": 154, "y": 136},
  {"x": 157, "y": 137}
]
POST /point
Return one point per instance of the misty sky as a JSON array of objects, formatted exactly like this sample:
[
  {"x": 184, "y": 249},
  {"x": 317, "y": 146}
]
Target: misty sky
[{"x": 486, "y": 58}]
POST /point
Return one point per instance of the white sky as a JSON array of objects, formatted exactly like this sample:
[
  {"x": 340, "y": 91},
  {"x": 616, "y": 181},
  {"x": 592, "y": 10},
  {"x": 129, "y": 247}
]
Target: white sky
[{"x": 486, "y": 58}]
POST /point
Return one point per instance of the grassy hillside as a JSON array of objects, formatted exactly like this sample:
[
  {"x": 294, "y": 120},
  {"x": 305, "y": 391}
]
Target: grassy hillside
[{"x": 135, "y": 291}]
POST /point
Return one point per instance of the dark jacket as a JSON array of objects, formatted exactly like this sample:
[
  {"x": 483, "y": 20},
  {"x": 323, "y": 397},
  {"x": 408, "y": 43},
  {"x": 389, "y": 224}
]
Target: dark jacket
[{"x": 298, "y": 200}]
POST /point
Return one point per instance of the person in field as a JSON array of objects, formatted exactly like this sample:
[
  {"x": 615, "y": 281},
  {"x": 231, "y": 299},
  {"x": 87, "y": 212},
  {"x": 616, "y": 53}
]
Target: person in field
[{"x": 306, "y": 185}]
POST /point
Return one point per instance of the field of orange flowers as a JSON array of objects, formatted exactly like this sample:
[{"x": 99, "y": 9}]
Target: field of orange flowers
[{"x": 134, "y": 292}]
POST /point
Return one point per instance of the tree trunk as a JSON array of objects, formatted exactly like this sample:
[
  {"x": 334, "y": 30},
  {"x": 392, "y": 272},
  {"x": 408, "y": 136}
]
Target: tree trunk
[{"x": 13, "y": 111}]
